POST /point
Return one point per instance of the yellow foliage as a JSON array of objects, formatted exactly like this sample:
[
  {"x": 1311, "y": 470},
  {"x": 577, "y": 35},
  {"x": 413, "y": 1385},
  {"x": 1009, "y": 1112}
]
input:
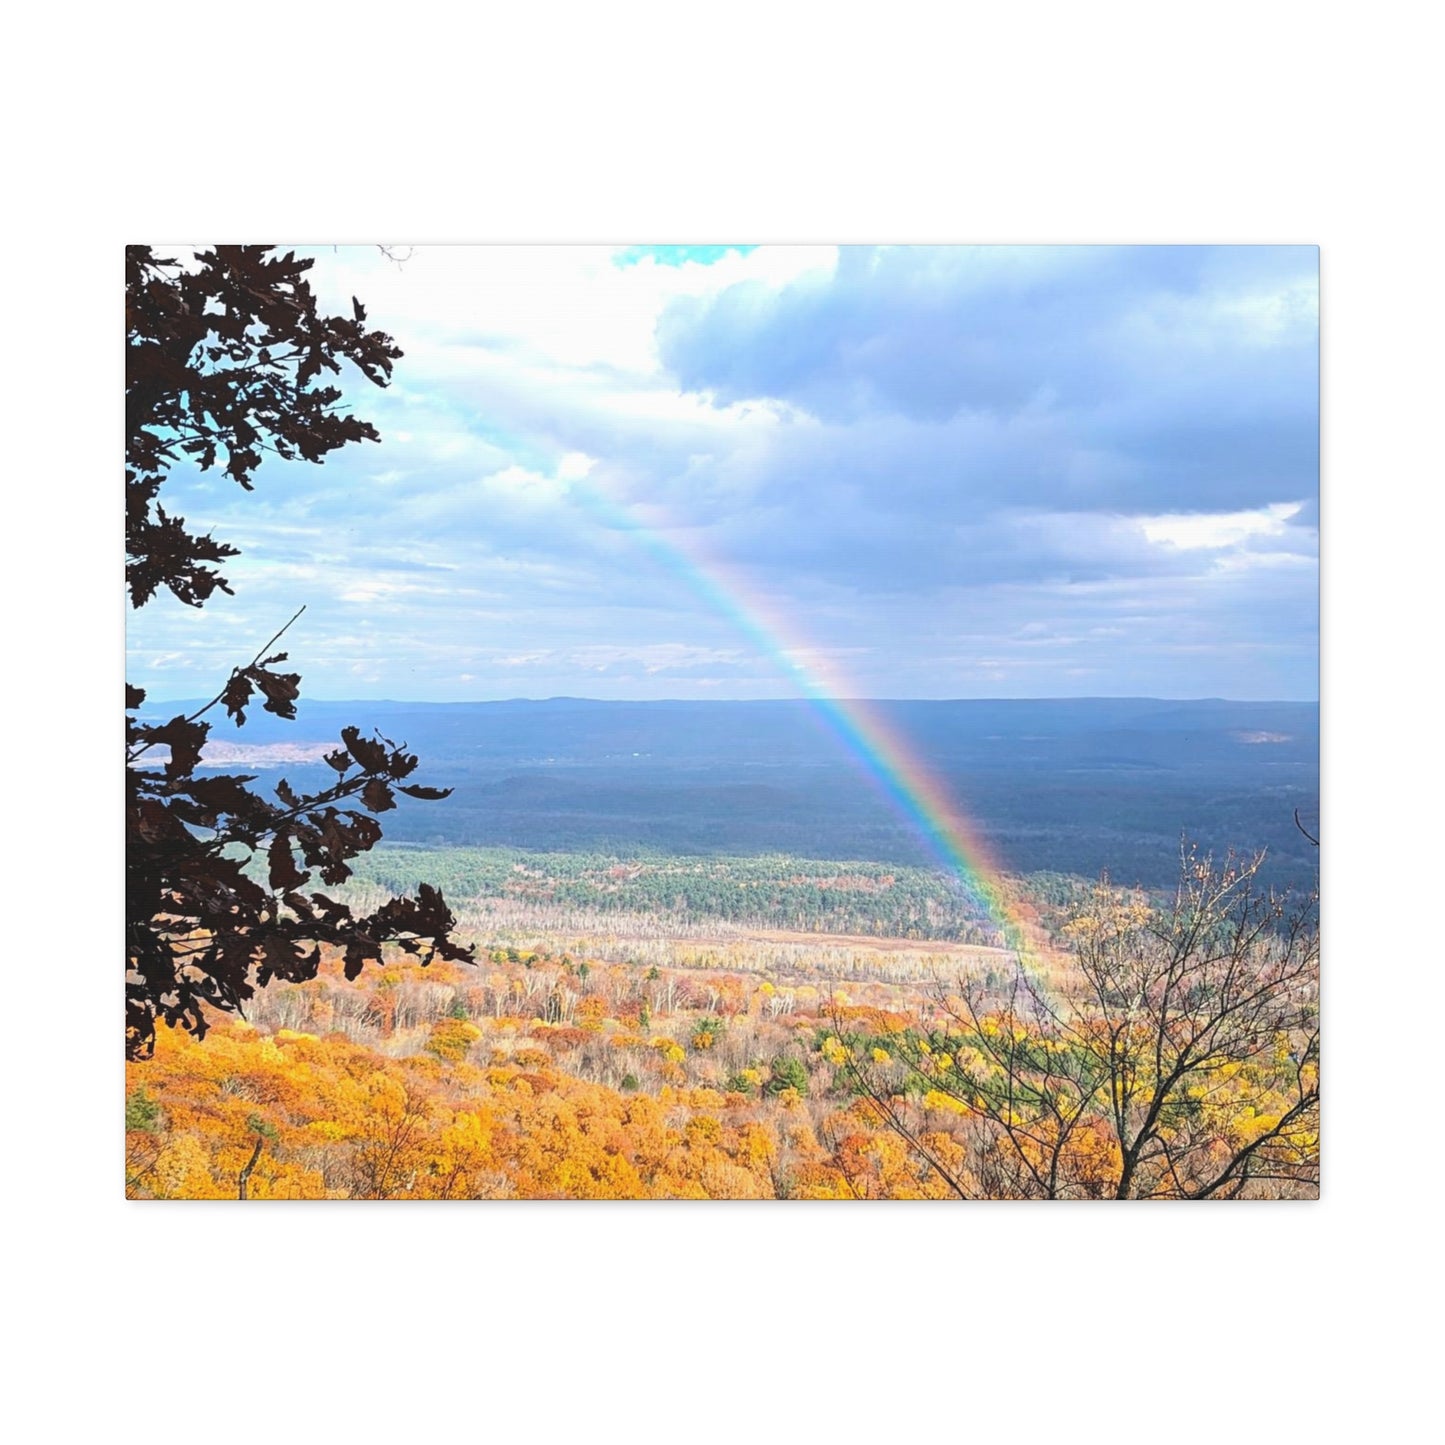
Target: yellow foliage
[
  {"x": 182, "y": 1172},
  {"x": 935, "y": 1099},
  {"x": 451, "y": 1038},
  {"x": 703, "y": 1127}
]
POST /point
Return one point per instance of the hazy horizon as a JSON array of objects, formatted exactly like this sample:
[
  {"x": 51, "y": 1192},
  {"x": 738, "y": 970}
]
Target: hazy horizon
[{"x": 307, "y": 698}]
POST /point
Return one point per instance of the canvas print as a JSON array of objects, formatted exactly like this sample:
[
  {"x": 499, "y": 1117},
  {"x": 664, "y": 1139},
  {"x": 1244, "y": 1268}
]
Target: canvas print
[{"x": 722, "y": 721}]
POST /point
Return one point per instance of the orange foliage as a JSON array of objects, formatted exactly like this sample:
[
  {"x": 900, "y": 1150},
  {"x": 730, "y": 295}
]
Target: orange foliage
[{"x": 415, "y": 1085}]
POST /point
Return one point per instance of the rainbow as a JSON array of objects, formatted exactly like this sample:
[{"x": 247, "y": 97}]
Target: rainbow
[{"x": 884, "y": 756}]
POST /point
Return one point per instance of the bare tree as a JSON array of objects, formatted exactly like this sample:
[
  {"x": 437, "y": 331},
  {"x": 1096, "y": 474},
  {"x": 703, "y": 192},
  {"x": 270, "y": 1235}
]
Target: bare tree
[{"x": 1174, "y": 1055}]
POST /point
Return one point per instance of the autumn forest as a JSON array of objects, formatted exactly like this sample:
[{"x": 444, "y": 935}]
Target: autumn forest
[
  {"x": 777, "y": 939},
  {"x": 1162, "y": 1050}
]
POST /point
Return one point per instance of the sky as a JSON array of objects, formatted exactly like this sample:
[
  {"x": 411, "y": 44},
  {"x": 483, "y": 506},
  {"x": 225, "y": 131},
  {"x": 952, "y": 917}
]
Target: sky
[{"x": 710, "y": 471}]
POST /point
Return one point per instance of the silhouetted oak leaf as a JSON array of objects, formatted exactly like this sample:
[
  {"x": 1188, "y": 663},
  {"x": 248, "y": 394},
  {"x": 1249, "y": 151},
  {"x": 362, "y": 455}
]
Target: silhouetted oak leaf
[
  {"x": 281, "y": 689},
  {"x": 377, "y": 796},
  {"x": 284, "y": 873},
  {"x": 371, "y": 756},
  {"x": 237, "y": 693}
]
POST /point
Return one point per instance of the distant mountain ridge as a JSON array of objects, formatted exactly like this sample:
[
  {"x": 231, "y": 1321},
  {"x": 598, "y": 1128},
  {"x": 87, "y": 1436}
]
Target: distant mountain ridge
[
  {"x": 960, "y": 717},
  {"x": 1073, "y": 785}
]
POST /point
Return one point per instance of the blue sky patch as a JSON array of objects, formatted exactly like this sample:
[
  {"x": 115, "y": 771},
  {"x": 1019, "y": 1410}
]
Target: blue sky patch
[{"x": 676, "y": 255}]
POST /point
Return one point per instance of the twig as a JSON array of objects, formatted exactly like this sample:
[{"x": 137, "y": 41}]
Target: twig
[{"x": 130, "y": 757}]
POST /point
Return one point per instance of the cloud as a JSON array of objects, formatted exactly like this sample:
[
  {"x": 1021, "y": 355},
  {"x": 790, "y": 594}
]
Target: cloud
[
  {"x": 929, "y": 332},
  {"x": 1190, "y": 531},
  {"x": 935, "y": 471}
]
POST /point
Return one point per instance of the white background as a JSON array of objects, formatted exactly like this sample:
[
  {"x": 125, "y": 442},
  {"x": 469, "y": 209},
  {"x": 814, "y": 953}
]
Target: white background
[{"x": 1046, "y": 122}]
